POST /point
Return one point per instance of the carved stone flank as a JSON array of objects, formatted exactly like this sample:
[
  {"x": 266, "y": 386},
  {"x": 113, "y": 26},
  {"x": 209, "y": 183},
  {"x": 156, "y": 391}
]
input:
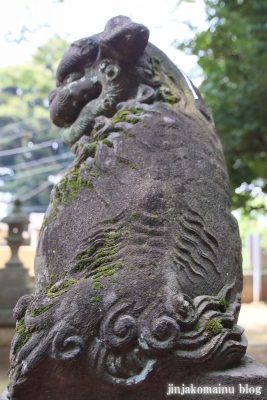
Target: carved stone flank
[{"x": 138, "y": 265}]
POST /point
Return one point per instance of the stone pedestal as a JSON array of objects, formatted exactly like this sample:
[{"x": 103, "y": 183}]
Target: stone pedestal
[{"x": 246, "y": 381}]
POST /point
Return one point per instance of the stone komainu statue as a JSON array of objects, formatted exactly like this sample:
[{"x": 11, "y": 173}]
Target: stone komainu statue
[{"x": 138, "y": 266}]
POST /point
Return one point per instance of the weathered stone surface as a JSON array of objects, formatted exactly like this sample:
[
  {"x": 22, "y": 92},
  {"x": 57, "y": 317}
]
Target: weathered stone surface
[
  {"x": 138, "y": 266},
  {"x": 244, "y": 382}
]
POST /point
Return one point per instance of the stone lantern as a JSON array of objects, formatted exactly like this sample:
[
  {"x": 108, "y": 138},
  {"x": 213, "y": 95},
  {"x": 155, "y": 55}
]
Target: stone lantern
[{"x": 14, "y": 277}]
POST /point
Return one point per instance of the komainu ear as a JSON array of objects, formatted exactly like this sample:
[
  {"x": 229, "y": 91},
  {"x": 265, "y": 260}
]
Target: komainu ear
[
  {"x": 124, "y": 39},
  {"x": 81, "y": 53}
]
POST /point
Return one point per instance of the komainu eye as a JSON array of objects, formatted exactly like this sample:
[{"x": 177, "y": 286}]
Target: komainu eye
[{"x": 110, "y": 71}]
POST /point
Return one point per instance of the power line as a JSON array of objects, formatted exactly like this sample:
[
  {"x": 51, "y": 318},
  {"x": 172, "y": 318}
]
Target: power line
[
  {"x": 25, "y": 149},
  {"x": 40, "y": 161},
  {"x": 11, "y": 137},
  {"x": 14, "y": 124},
  {"x": 18, "y": 134},
  {"x": 37, "y": 171},
  {"x": 37, "y": 190}
]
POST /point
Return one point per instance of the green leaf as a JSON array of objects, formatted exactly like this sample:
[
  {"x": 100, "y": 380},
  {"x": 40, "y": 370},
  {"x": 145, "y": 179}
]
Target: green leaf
[{"x": 185, "y": 1}]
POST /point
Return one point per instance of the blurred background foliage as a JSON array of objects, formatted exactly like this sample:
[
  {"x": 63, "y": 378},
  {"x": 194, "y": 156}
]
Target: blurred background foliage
[
  {"x": 232, "y": 55},
  {"x": 38, "y": 151}
]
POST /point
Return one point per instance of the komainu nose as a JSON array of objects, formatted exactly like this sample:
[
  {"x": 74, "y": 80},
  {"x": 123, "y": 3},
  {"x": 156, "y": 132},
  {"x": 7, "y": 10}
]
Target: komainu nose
[{"x": 124, "y": 39}]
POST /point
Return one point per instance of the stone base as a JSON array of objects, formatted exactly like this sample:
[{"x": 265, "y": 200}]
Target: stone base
[{"x": 247, "y": 381}]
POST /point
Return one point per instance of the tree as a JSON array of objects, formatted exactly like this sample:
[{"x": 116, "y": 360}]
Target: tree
[
  {"x": 25, "y": 123},
  {"x": 232, "y": 54}
]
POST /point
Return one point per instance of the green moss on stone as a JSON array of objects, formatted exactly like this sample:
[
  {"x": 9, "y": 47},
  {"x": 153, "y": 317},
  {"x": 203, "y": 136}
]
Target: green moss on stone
[
  {"x": 137, "y": 111},
  {"x": 123, "y": 299},
  {"x": 107, "y": 142},
  {"x": 171, "y": 99},
  {"x": 243, "y": 362},
  {"x": 101, "y": 261},
  {"x": 80, "y": 266},
  {"x": 54, "y": 212},
  {"x": 63, "y": 285},
  {"x": 196, "y": 327},
  {"x": 24, "y": 336},
  {"x": 105, "y": 253},
  {"x": 94, "y": 174},
  {"x": 104, "y": 274},
  {"x": 224, "y": 304},
  {"x": 118, "y": 265},
  {"x": 113, "y": 236},
  {"x": 167, "y": 98},
  {"x": 86, "y": 253},
  {"x": 112, "y": 221},
  {"x": 95, "y": 299},
  {"x": 171, "y": 77},
  {"x": 97, "y": 285},
  {"x": 53, "y": 295},
  {"x": 40, "y": 310},
  {"x": 156, "y": 59},
  {"x": 213, "y": 327},
  {"x": 70, "y": 185},
  {"x": 44, "y": 224},
  {"x": 124, "y": 115},
  {"x": 93, "y": 148}
]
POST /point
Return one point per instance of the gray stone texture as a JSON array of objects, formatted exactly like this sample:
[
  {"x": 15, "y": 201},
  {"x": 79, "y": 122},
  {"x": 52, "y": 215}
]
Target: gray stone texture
[
  {"x": 138, "y": 266},
  {"x": 247, "y": 381}
]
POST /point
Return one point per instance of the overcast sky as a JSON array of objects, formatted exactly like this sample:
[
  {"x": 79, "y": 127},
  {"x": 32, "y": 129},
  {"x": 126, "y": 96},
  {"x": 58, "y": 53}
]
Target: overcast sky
[{"x": 74, "y": 19}]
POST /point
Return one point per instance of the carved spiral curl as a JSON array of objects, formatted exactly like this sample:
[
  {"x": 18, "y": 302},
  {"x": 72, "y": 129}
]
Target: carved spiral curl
[
  {"x": 162, "y": 334},
  {"x": 110, "y": 69},
  {"x": 67, "y": 348},
  {"x": 185, "y": 312},
  {"x": 119, "y": 331}
]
